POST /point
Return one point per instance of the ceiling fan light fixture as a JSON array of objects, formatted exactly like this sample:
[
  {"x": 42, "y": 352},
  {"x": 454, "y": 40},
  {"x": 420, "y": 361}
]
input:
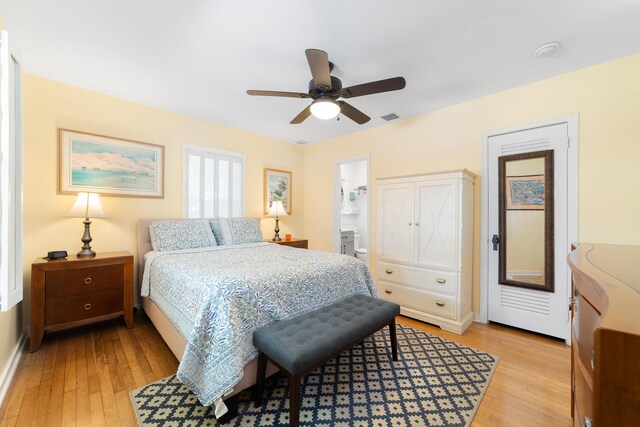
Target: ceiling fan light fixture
[{"x": 325, "y": 108}]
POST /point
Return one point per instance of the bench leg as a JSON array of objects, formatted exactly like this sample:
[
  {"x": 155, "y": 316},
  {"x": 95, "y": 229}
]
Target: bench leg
[
  {"x": 262, "y": 370},
  {"x": 294, "y": 400},
  {"x": 394, "y": 340}
]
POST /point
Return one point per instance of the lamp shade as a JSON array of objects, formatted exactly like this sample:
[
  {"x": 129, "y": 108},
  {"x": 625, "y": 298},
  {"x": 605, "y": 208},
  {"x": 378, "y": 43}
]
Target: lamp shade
[
  {"x": 87, "y": 205},
  {"x": 277, "y": 209}
]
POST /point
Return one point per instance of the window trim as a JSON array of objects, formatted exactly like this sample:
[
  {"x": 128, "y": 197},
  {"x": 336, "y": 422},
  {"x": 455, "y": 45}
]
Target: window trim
[
  {"x": 203, "y": 150},
  {"x": 11, "y": 274}
]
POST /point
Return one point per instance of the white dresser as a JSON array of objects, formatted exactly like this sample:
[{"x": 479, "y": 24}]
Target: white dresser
[{"x": 425, "y": 246}]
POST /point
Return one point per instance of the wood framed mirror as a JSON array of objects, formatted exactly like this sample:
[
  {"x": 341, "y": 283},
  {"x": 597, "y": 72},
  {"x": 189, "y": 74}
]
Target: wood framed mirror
[{"x": 526, "y": 229}]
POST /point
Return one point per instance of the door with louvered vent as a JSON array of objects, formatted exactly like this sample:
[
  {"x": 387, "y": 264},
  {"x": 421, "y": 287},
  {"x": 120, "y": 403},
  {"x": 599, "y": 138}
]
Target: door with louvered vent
[{"x": 531, "y": 290}]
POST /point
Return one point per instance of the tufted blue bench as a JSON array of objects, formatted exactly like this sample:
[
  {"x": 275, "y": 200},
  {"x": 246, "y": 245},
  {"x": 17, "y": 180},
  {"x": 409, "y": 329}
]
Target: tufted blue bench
[{"x": 301, "y": 344}]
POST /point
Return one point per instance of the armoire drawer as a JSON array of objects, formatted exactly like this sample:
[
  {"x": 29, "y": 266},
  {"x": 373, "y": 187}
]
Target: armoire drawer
[
  {"x": 420, "y": 278},
  {"x": 438, "y": 304}
]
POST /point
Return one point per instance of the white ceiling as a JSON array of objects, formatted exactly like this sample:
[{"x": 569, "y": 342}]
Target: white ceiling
[{"x": 198, "y": 57}]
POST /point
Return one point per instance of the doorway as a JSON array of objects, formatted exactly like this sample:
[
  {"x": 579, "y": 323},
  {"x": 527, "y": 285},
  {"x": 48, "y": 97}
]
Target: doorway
[
  {"x": 351, "y": 207},
  {"x": 529, "y": 222}
]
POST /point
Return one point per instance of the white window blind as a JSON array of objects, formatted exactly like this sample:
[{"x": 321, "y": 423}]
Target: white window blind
[
  {"x": 10, "y": 178},
  {"x": 213, "y": 183}
]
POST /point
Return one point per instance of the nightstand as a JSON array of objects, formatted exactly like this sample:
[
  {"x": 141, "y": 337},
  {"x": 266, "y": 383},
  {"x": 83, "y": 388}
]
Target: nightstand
[
  {"x": 75, "y": 291},
  {"x": 294, "y": 243}
]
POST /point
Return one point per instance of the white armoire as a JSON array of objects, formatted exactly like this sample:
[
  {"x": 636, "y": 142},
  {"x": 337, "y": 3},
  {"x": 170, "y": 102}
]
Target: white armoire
[{"x": 425, "y": 246}]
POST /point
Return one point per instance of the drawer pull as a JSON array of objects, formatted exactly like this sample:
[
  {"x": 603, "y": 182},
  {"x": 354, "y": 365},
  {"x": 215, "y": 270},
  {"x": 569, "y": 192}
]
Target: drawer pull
[
  {"x": 593, "y": 361},
  {"x": 441, "y": 280},
  {"x": 388, "y": 271},
  {"x": 586, "y": 422},
  {"x": 87, "y": 280},
  {"x": 386, "y": 291},
  {"x": 440, "y": 303},
  {"x": 87, "y": 307}
]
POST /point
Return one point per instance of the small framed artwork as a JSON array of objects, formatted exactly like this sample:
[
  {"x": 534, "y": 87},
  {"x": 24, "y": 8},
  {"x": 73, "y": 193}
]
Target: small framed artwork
[
  {"x": 277, "y": 186},
  {"x": 109, "y": 166},
  {"x": 525, "y": 192}
]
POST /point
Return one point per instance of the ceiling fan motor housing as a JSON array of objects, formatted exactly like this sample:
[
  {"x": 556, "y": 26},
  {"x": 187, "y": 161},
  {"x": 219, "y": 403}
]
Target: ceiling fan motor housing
[{"x": 336, "y": 86}]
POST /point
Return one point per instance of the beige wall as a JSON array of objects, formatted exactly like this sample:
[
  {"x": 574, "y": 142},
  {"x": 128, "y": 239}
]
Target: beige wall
[
  {"x": 606, "y": 96},
  {"x": 49, "y": 105}
]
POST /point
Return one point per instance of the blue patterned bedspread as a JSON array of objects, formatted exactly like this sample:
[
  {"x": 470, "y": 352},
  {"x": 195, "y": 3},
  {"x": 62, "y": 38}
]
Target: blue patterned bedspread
[{"x": 216, "y": 297}]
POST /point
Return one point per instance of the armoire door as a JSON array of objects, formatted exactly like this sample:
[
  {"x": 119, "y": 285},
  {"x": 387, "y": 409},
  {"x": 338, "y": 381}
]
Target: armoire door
[
  {"x": 435, "y": 224},
  {"x": 395, "y": 235}
]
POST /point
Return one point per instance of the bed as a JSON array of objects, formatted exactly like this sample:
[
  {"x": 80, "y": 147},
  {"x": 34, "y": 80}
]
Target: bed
[{"x": 206, "y": 302}]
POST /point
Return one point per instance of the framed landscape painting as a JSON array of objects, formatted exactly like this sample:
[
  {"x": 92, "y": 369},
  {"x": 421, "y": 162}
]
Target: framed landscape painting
[
  {"x": 277, "y": 186},
  {"x": 525, "y": 192},
  {"x": 109, "y": 166}
]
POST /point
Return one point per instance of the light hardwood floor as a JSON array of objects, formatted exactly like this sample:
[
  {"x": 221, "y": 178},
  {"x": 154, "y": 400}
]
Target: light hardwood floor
[{"x": 81, "y": 377}]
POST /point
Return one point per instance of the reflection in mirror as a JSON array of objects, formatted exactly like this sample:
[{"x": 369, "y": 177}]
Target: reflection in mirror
[{"x": 526, "y": 220}]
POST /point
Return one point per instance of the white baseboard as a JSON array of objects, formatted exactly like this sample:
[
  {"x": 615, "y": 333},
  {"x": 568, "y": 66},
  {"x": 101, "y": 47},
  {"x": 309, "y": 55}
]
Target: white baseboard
[
  {"x": 10, "y": 368},
  {"x": 477, "y": 318}
]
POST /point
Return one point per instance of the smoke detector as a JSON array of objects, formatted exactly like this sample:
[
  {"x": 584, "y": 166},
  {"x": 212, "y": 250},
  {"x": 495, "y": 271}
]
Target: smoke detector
[{"x": 547, "y": 50}]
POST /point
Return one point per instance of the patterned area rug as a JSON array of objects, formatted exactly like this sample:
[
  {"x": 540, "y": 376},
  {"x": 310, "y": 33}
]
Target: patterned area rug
[{"x": 435, "y": 382}]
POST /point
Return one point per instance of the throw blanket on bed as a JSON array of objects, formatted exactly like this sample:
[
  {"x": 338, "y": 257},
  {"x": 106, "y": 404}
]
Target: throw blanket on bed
[{"x": 216, "y": 297}]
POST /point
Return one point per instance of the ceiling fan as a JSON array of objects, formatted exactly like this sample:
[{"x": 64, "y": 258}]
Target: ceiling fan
[{"x": 325, "y": 90}]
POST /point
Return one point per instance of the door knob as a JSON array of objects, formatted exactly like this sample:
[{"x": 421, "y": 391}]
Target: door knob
[{"x": 495, "y": 240}]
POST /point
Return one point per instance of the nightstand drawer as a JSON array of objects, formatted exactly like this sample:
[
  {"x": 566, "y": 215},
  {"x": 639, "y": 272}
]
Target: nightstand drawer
[
  {"x": 61, "y": 283},
  {"x": 80, "y": 307}
]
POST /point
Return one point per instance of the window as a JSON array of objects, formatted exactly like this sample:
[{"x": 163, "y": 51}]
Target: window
[
  {"x": 10, "y": 178},
  {"x": 213, "y": 183}
]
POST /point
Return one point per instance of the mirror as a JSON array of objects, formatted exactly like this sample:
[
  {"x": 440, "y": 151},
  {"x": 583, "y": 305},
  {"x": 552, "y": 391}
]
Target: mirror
[{"x": 526, "y": 220}]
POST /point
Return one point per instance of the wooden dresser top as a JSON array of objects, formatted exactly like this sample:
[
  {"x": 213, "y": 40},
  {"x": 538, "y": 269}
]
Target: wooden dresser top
[{"x": 609, "y": 277}]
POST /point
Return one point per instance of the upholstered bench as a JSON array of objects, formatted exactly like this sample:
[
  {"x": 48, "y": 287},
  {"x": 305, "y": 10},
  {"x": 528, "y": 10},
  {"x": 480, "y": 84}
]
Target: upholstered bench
[{"x": 301, "y": 344}]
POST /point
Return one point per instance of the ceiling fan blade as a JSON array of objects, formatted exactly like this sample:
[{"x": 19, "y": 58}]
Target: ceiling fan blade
[
  {"x": 319, "y": 65},
  {"x": 278, "y": 93},
  {"x": 353, "y": 113},
  {"x": 386, "y": 85},
  {"x": 302, "y": 116}
]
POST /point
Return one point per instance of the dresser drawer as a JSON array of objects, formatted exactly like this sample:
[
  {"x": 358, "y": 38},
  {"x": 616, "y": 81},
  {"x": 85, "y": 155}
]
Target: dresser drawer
[
  {"x": 80, "y": 307},
  {"x": 60, "y": 283},
  {"x": 440, "y": 305},
  {"x": 420, "y": 278},
  {"x": 583, "y": 396},
  {"x": 585, "y": 320}
]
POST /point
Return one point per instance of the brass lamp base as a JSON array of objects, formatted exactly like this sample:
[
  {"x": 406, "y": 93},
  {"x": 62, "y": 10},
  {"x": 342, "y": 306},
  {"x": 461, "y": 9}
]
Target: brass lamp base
[
  {"x": 277, "y": 238},
  {"x": 86, "y": 251}
]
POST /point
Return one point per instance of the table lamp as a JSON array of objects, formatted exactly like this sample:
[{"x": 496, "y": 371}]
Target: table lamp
[
  {"x": 276, "y": 210},
  {"x": 87, "y": 205}
]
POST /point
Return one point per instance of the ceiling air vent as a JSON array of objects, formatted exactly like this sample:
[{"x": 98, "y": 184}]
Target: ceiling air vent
[{"x": 390, "y": 116}]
